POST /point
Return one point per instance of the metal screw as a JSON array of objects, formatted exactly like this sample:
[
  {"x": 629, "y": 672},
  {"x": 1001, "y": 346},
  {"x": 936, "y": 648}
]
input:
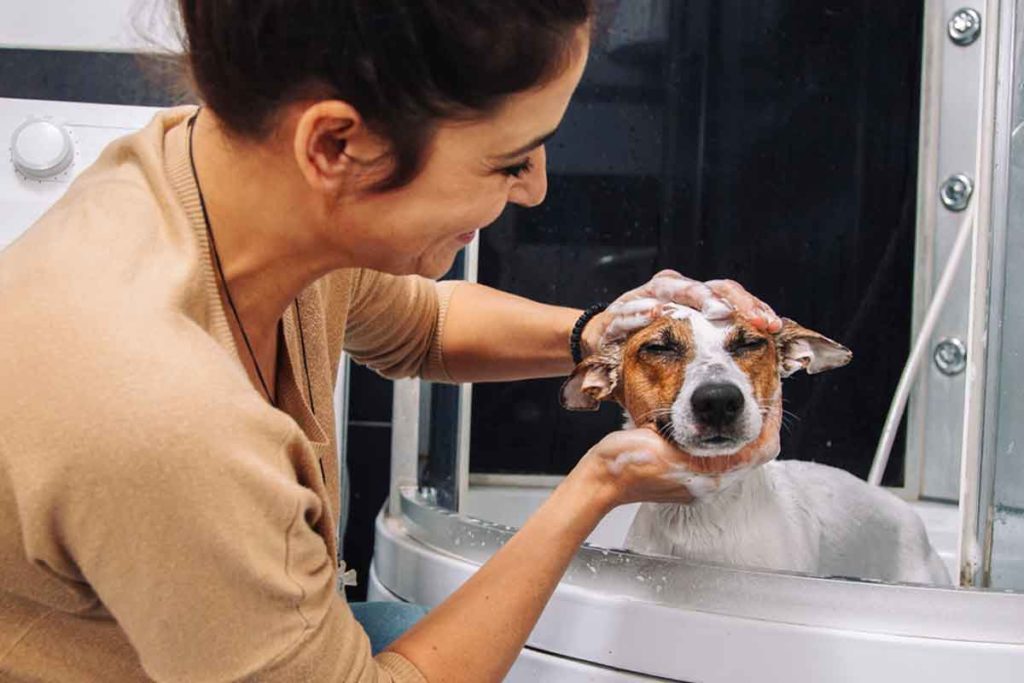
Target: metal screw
[
  {"x": 956, "y": 192},
  {"x": 965, "y": 26},
  {"x": 950, "y": 356}
]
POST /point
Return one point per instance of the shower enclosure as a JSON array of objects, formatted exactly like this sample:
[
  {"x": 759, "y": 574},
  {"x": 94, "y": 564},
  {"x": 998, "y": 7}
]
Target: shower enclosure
[{"x": 824, "y": 155}]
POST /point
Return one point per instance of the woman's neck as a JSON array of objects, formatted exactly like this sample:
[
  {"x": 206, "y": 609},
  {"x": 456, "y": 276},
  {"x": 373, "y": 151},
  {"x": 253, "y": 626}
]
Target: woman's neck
[{"x": 264, "y": 227}]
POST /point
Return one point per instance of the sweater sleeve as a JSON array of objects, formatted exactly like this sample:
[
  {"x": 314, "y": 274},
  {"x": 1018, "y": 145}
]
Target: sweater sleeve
[
  {"x": 198, "y": 524},
  {"x": 396, "y": 324}
]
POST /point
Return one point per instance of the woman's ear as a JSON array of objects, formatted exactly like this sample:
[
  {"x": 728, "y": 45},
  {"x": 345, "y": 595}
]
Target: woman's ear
[
  {"x": 332, "y": 145},
  {"x": 594, "y": 380}
]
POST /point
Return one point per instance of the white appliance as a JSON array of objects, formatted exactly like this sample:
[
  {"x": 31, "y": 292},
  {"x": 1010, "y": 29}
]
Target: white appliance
[
  {"x": 49, "y": 143},
  {"x": 122, "y": 25}
]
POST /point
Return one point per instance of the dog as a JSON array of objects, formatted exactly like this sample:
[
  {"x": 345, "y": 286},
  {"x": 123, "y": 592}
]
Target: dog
[{"x": 714, "y": 389}]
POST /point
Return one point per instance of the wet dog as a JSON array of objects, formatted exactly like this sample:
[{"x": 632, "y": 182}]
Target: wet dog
[{"x": 714, "y": 389}]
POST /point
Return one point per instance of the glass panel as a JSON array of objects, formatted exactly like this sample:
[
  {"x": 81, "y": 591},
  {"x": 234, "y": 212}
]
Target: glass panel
[
  {"x": 1007, "y": 561},
  {"x": 776, "y": 146}
]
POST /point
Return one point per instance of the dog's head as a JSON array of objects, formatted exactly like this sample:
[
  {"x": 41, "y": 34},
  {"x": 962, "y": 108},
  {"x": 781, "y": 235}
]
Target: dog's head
[{"x": 710, "y": 387}]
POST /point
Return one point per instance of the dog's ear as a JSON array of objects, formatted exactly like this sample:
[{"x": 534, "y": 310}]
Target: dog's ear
[
  {"x": 594, "y": 380},
  {"x": 803, "y": 349}
]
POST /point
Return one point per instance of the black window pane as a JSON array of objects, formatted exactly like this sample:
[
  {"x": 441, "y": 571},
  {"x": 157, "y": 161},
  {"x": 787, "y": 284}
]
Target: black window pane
[{"x": 773, "y": 143}]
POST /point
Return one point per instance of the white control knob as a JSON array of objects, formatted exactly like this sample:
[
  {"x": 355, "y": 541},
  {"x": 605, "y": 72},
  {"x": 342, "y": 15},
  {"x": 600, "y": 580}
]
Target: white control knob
[{"x": 41, "y": 149}]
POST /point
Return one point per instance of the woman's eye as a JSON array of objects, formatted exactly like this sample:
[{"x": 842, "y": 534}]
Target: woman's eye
[{"x": 518, "y": 170}]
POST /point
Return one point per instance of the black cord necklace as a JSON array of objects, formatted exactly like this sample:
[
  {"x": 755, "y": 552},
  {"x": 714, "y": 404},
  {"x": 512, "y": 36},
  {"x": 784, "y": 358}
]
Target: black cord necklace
[{"x": 227, "y": 291}]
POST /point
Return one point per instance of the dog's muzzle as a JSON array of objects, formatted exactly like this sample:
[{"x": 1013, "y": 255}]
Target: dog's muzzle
[{"x": 716, "y": 406}]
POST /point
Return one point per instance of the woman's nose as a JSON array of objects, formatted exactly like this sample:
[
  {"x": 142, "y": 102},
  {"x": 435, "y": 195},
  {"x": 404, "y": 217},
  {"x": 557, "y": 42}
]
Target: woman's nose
[{"x": 532, "y": 187}]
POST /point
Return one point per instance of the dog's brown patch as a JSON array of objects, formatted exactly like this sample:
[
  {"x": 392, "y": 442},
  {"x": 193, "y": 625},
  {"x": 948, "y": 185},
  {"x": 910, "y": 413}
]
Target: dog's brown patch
[
  {"x": 756, "y": 355},
  {"x": 653, "y": 371},
  {"x": 654, "y": 364}
]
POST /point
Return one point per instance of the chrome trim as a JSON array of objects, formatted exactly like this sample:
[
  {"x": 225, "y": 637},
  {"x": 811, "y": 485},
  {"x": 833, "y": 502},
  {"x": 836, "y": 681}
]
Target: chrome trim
[
  {"x": 470, "y": 274},
  {"x": 998, "y": 128},
  {"x": 933, "y": 43},
  {"x": 529, "y": 481},
  {"x": 405, "y": 440},
  {"x": 974, "y": 518},
  {"x": 341, "y": 402},
  {"x": 951, "y": 109}
]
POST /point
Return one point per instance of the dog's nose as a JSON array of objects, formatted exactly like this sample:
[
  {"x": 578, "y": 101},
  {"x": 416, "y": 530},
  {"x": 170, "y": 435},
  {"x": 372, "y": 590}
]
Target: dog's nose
[{"x": 717, "y": 404}]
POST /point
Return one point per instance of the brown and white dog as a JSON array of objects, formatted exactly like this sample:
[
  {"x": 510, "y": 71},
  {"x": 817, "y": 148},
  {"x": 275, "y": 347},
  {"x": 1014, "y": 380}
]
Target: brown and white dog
[{"x": 714, "y": 389}]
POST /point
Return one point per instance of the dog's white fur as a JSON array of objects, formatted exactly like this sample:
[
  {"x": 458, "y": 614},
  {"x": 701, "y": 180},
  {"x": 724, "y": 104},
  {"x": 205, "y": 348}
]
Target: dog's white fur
[
  {"x": 789, "y": 515},
  {"x": 795, "y": 516}
]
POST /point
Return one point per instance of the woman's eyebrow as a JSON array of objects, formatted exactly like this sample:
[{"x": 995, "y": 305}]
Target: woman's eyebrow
[{"x": 528, "y": 147}]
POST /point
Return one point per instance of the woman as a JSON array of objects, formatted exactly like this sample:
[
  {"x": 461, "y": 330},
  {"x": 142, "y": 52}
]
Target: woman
[{"x": 171, "y": 331}]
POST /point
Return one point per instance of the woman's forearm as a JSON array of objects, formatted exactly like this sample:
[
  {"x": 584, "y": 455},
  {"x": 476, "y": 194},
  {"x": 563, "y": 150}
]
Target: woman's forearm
[
  {"x": 494, "y": 336},
  {"x": 478, "y": 632}
]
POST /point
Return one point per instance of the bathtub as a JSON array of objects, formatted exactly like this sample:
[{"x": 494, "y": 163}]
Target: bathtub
[{"x": 617, "y": 616}]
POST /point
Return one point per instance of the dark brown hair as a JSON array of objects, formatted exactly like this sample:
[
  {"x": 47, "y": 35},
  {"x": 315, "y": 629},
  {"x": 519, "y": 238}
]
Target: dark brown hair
[{"x": 403, "y": 64}]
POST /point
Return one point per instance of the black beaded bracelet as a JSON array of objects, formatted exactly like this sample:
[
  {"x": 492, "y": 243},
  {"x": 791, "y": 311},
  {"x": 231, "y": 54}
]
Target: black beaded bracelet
[{"x": 577, "y": 331}]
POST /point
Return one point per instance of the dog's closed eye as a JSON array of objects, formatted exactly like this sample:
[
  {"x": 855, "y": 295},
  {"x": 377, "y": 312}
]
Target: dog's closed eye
[
  {"x": 747, "y": 344},
  {"x": 662, "y": 348}
]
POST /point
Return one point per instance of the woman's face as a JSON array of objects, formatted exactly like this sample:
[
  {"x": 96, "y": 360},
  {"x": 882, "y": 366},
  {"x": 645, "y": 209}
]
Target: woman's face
[{"x": 471, "y": 172}]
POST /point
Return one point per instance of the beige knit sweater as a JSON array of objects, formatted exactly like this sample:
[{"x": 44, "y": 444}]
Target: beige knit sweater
[{"x": 159, "y": 519}]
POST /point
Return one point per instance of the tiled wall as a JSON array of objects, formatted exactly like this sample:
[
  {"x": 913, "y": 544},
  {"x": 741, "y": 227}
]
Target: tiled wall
[{"x": 73, "y": 76}]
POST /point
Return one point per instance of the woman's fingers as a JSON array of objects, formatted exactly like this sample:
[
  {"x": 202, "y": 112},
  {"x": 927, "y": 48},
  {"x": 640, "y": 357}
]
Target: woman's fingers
[
  {"x": 747, "y": 306},
  {"x": 670, "y": 287},
  {"x": 630, "y": 316},
  {"x": 716, "y": 300},
  {"x": 663, "y": 286},
  {"x": 642, "y": 466},
  {"x": 679, "y": 290},
  {"x": 639, "y": 307},
  {"x": 734, "y": 293}
]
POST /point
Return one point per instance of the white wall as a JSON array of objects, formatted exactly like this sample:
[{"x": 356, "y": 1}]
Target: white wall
[{"x": 104, "y": 25}]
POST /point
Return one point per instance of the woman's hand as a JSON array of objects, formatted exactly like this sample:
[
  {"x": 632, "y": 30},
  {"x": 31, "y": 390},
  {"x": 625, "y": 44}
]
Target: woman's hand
[
  {"x": 717, "y": 299},
  {"x": 633, "y": 466},
  {"x": 639, "y": 466}
]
